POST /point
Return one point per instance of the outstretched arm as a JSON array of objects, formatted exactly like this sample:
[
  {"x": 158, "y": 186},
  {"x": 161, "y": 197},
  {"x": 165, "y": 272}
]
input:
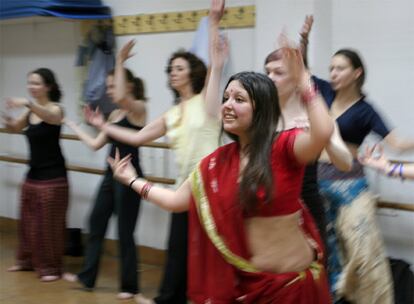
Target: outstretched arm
[
  {"x": 175, "y": 201},
  {"x": 51, "y": 113},
  {"x": 399, "y": 144},
  {"x": 151, "y": 131},
  {"x": 95, "y": 143},
  {"x": 382, "y": 164},
  {"x": 15, "y": 124}
]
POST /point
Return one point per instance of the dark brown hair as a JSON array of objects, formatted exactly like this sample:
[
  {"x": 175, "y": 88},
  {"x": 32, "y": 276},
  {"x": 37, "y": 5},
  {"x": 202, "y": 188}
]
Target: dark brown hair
[
  {"x": 198, "y": 71},
  {"x": 49, "y": 79},
  {"x": 356, "y": 63},
  {"x": 257, "y": 174}
]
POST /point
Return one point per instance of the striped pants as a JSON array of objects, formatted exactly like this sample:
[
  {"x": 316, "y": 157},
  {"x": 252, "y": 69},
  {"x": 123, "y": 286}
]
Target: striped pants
[{"x": 42, "y": 225}]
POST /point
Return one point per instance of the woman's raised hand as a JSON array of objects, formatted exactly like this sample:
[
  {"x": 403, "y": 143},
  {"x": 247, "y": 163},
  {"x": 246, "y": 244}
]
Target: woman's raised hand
[
  {"x": 95, "y": 118},
  {"x": 378, "y": 162},
  {"x": 122, "y": 169},
  {"x": 125, "y": 52},
  {"x": 216, "y": 11},
  {"x": 292, "y": 59}
]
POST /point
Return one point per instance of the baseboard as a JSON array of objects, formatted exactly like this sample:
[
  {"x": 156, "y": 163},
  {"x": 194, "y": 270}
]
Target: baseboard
[{"x": 147, "y": 255}]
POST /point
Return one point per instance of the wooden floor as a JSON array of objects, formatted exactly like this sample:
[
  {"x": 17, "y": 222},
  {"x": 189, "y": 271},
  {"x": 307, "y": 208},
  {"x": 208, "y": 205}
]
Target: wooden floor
[{"x": 25, "y": 287}]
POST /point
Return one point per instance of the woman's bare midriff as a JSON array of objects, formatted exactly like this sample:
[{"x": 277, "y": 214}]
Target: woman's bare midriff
[{"x": 277, "y": 244}]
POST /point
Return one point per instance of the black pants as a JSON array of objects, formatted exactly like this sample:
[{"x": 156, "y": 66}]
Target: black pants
[
  {"x": 173, "y": 289},
  {"x": 113, "y": 197}
]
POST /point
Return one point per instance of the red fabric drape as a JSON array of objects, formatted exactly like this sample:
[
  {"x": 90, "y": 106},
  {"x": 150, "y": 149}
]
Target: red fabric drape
[{"x": 211, "y": 278}]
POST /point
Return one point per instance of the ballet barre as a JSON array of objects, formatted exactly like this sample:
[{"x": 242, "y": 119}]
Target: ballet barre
[
  {"x": 154, "y": 179},
  {"x": 162, "y": 180},
  {"x": 170, "y": 181},
  {"x": 152, "y": 144}
]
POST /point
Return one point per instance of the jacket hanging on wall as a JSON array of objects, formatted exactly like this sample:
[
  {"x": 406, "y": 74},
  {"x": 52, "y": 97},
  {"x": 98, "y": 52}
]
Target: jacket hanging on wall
[{"x": 100, "y": 50}]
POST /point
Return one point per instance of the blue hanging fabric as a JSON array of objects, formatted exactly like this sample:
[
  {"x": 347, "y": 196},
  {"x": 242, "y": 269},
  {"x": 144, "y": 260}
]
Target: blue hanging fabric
[
  {"x": 100, "y": 48},
  {"x": 73, "y": 9}
]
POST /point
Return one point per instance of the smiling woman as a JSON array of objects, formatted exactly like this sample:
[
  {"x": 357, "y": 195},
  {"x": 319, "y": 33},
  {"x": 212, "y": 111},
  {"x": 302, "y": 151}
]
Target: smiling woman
[
  {"x": 238, "y": 108},
  {"x": 243, "y": 189}
]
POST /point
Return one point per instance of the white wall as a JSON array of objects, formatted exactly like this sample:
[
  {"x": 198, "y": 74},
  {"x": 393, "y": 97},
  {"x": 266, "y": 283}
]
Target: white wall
[
  {"x": 382, "y": 31},
  {"x": 29, "y": 43}
]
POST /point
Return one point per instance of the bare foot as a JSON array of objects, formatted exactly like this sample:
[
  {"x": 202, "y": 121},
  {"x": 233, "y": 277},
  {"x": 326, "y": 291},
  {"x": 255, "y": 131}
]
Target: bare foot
[
  {"x": 49, "y": 278},
  {"x": 125, "y": 296},
  {"x": 73, "y": 278},
  {"x": 70, "y": 277},
  {"x": 140, "y": 299},
  {"x": 18, "y": 268}
]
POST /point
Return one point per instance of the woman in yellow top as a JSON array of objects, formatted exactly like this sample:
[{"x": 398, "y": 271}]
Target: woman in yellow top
[{"x": 193, "y": 128}]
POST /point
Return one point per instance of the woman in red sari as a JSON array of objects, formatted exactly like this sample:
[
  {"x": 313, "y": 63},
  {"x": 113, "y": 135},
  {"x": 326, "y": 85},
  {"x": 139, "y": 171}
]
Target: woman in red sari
[{"x": 250, "y": 238}]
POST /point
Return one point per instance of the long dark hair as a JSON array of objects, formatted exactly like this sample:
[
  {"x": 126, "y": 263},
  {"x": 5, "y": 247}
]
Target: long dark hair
[
  {"x": 356, "y": 63},
  {"x": 49, "y": 79},
  {"x": 198, "y": 71},
  {"x": 138, "y": 89},
  {"x": 257, "y": 174}
]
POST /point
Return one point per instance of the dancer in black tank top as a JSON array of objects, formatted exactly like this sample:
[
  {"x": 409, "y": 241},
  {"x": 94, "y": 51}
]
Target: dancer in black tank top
[
  {"x": 113, "y": 197},
  {"x": 44, "y": 195}
]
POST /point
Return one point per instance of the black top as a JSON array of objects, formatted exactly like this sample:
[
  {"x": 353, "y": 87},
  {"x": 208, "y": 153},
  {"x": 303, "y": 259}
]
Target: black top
[
  {"x": 358, "y": 120},
  {"x": 125, "y": 149},
  {"x": 46, "y": 158},
  {"x": 310, "y": 188}
]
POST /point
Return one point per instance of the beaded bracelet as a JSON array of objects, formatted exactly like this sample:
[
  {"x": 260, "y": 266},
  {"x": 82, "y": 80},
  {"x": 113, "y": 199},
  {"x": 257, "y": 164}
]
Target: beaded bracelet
[{"x": 145, "y": 190}]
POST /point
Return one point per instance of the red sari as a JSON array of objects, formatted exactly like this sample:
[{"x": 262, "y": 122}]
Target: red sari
[{"x": 218, "y": 257}]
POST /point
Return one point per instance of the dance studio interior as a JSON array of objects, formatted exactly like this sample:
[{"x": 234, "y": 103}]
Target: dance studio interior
[{"x": 100, "y": 136}]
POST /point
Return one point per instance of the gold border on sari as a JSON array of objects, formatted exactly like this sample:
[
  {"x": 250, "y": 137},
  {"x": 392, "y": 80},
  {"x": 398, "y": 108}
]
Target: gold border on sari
[{"x": 207, "y": 220}]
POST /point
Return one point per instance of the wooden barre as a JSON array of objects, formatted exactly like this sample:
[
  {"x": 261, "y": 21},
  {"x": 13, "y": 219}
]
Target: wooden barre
[
  {"x": 152, "y": 144},
  {"x": 169, "y": 181},
  {"x": 396, "y": 206},
  {"x": 154, "y": 179}
]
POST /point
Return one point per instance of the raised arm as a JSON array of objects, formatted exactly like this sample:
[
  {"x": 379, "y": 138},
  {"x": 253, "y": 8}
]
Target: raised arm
[
  {"x": 175, "y": 201},
  {"x": 308, "y": 145},
  {"x": 304, "y": 37},
  {"x": 215, "y": 55},
  {"x": 218, "y": 51},
  {"x": 51, "y": 113},
  {"x": 150, "y": 132},
  {"x": 120, "y": 92}
]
